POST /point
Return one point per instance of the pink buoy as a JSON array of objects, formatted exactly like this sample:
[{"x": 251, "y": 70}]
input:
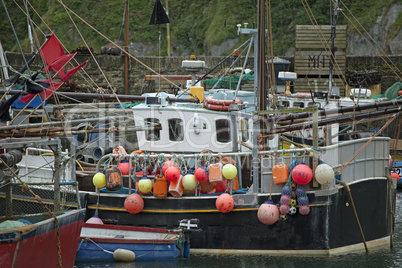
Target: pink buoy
[
  {"x": 224, "y": 203},
  {"x": 94, "y": 220},
  {"x": 268, "y": 213},
  {"x": 302, "y": 174},
  {"x": 304, "y": 210},
  {"x": 172, "y": 174},
  {"x": 285, "y": 200},
  {"x": 395, "y": 176},
  {"x": 167, "y": 165},
  {"x": 284, "y": 209},
  {"x": 201, "y": 174},
  {"x": 124, "y": 168},
  {"x": 134, "y": 203}
]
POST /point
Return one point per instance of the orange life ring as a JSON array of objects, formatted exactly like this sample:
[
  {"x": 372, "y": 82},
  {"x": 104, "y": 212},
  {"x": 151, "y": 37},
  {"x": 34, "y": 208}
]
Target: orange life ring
[
  {"x": 217, "y": 107},
  {"x": 211, "y": 100}
]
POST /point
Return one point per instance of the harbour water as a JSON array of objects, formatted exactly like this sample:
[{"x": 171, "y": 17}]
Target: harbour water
[{"x": 378, "y": 258}]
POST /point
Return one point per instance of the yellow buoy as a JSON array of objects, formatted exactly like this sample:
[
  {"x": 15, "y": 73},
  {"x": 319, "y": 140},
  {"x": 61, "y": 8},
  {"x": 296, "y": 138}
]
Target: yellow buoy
[
  {"x": 124, "y": 255},
  {"x": 229, "y": 171},
  {"x": 145, "y": 185},
  {"x": 99, "y": 180},
  {"x": 189, "y": 182}
]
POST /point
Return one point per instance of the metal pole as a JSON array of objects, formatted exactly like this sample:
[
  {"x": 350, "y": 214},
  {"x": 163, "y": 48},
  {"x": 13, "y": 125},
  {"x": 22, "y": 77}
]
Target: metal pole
[
  {"x": 126, "y": 48},
  {"x": 168, "y": 31}
]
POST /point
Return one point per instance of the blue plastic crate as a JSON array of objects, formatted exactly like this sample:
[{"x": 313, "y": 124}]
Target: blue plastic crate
[{"x": 35, "y": 103}]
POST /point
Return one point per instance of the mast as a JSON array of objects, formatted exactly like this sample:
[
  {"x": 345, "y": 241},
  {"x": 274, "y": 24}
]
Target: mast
[
  {"x": 126, "y": 48},
  {"x": 334, "y": 19}
]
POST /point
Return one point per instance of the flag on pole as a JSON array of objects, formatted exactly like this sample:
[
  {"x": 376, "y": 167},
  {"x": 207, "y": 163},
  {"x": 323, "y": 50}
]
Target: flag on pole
[
  {"x": 58, "y": 64},
  {"x": 72, "y": 71},
  {"x": 159, "y": 15},
  {"x": 45, "y": 94},
  {"x": 51, "y": 50}
]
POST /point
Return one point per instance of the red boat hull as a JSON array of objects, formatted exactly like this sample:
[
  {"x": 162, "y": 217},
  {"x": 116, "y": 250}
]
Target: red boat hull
[{"x": 39, "y": 247}]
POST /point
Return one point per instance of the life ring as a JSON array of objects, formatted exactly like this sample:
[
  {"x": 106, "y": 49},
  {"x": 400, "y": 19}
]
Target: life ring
[
  {"x": 217, "y": 107},
  {"x": 211, "y": 100}
]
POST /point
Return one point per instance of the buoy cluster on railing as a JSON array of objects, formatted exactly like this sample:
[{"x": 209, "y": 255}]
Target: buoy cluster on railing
[
  {"x": 293, "y": 196},
  {"x": 161, "y": 177}
]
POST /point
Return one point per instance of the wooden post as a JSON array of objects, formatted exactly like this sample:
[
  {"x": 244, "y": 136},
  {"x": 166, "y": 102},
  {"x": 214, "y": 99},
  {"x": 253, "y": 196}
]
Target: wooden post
[{"x": 315, "y": 144}]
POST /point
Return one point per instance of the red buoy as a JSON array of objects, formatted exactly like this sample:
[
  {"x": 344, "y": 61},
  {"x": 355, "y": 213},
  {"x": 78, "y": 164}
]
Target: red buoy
[
  {"x": 400, "y": 92},
  {"x": 172, "y": 174},
  {"x": 134, "y": 203},
  {"x": 268, "y": 213},
  {"x": 224, "y": 203},
  {"x": 221, "y": 187},
  {"x": 304, "y": 210},
  {"x": 284, "y": 209},
  {"x": 395, "y": 176},
  {"x": 285, "y": 200},
  {"x": 124, "y": 167},
  {"x": 167, "y": 165},
  {"x": 201, "y": 174},
  {"x": 302, "y": 174}
]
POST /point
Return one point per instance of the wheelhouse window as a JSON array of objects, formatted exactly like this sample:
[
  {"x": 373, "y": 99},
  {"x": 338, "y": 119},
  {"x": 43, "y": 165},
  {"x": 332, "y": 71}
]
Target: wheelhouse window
[
  {"x": 222, "y": 130},
  {"x": 152, "y": 135},
  {"x": 244, "y": 129},
  {"x": 176, "y": 129}
]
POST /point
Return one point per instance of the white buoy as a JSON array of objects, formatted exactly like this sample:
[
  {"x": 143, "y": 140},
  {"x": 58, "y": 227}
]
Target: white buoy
[
  {"x": 324, "y": 174},
  {"x": 124, "y": 255}
]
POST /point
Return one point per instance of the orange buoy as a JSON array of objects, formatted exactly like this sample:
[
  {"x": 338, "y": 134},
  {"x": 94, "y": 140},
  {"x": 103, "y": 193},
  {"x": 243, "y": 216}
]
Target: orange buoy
[
  {"x": 268, "y": 213},
  {"x": 161, "y": 186},
  {"x": 400, "y": 92},
  {"x": 134, "y": 203},
  {"x": 119, "y": 150},
  {"x": 224, "y": 203},
  {"x": 167, "y": 165},
  {"x": 302, "y": 174},
  {"x": 113, "y": 179},
  {"x": 172, "y": 174},
  {"x": 280, "y": 174},
  {"x": 395, "y": 176}
]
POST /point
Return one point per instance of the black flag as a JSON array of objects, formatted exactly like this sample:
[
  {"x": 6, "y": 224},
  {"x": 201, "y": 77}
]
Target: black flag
[
  {"x": 159, "y": 15},
  {"x": 21, "y": 70},
  {"x": 36, "y": 88},
  {"x": 5, "y": 106}
]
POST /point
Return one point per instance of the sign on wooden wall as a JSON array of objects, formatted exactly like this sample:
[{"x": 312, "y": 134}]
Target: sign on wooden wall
[{"x": 312, "y": 57}]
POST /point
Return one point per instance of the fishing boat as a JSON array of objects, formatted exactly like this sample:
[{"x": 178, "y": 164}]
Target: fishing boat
[
  {"x": 105, "y": 242},
  {"x": 218, "y": 159},
  {"x": 40, "y": 223}
]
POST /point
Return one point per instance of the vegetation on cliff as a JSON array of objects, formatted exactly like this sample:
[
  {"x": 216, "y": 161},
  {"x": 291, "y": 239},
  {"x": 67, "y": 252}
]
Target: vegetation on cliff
[{"x": 195, "y": 25}]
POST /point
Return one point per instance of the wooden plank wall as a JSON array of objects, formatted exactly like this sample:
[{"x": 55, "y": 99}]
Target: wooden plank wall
[{"x": 312, "y": 57}]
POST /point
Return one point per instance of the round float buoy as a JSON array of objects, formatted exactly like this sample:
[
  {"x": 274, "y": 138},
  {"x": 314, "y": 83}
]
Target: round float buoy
[
  {"x": 224, "y": 203},
  {"x": 286, "y": 190},
  {"x": 124, "y": 167},
  {"x": 324, "y": 174},
  {"x": 145, "y": 185},
  {"x": 134, "y": 203},
  {"x": 268, "y": 213},
  {"x": 201, "y": 174},
  {"x": 284, "y": 209},
  {"x": 229, "y": 171},
  {"x": 124, "y": 255},
  {"x": 395, "y": 176},
  {"x": 189, "y": 182},
  {"x": 221, "y": 187},
  {"x": 304, "y": 210},
  {"x": 99, "y": 180},
  {"x": 94, "y": 220},
  {"x": 172, "y": 174},
  {"x": 285, "y": 200},
  {"x": 300, "y": 192},
  {"x": 302, "y": 174},
  {"x": 167, "y": 165},
  {"x": 303, "y": 200},
  {"x": 400, "y": 93}
]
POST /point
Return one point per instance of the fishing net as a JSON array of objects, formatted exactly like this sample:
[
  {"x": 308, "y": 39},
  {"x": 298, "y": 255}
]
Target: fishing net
[
  {"x": 231, "y": 81},
  {"x": 392, "y": 92}
]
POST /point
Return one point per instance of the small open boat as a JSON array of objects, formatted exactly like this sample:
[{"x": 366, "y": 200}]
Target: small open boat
[{"x": 104, "y": 242}]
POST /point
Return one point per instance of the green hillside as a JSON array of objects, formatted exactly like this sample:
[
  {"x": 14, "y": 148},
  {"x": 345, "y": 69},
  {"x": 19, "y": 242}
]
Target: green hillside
[{"x": 195, "y": 25}]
